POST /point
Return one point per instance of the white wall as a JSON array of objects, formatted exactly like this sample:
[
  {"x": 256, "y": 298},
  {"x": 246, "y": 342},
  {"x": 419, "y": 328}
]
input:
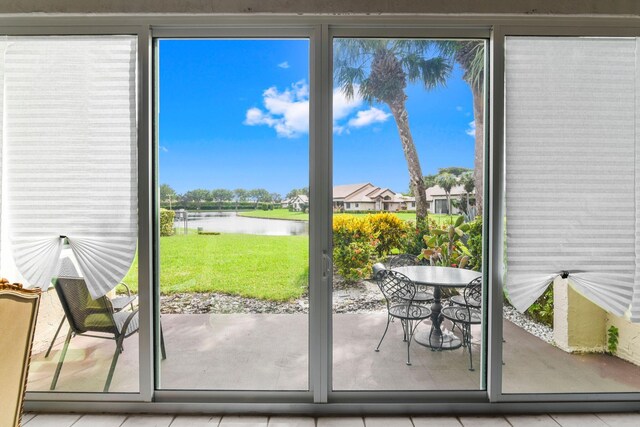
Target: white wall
[{"x": 625, "y": 7}]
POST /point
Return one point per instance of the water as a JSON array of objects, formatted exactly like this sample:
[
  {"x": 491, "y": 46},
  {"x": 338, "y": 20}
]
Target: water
[{"x": 230, "y": 222}]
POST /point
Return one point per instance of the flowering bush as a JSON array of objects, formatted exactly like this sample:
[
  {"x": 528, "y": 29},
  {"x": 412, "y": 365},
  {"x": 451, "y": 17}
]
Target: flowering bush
[
  {"x": 392, "y": 232},
  {"x": 354, "y": 246}
]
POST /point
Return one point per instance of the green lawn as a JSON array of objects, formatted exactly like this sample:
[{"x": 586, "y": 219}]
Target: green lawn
[
  {"x": 276, "y": 214},
  {"x": 299, "y": 216},
  {"x": 265, "y": 267}
]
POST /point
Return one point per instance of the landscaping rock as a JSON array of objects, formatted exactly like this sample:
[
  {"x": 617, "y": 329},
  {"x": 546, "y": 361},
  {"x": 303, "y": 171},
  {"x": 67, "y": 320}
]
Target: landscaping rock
[{"x": 363, "y": 297}]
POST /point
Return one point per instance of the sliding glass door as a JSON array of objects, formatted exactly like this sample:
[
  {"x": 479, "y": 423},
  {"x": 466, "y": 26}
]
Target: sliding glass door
[
  {"x": 408, "y": 141},
  {"x": 233, "y": 150}
]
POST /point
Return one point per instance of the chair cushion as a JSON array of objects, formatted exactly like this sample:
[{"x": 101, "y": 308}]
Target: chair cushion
[
  {"x": 121, "y": 317},
  {"x": 410, "y": 311},
  {"x": 462, "y": 314}
]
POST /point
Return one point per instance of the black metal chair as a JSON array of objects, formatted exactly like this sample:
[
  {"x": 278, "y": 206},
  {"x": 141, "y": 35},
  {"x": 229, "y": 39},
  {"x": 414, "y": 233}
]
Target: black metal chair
[
  {"x": 467, "y": 314},
  {"x": 399, "y": 292},
  {"x": 424, "y": 295},
  {"x": 474, "y": 295},
  {"x": 86, "y": 315}
]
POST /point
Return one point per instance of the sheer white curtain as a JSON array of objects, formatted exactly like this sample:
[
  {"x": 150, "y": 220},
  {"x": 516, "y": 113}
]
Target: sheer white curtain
[
  {"x": 69, "y": 163},
  {"x": 571, "y": 167}
]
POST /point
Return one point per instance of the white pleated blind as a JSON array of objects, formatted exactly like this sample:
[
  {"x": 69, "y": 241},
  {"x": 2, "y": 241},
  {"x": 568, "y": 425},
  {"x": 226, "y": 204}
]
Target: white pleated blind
[
  {"x": 571, "y": 162},
  {"x": 69, "y": 164}
]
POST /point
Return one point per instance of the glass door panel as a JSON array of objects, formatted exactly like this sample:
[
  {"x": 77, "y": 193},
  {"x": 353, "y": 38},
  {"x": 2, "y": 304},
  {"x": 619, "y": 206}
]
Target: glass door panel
[
  {"x": 408, "y": 138},
  {"x": 70, "y": 204},
  {"x": 234, "y": 195},
  {"x": 570, "y": 322}
]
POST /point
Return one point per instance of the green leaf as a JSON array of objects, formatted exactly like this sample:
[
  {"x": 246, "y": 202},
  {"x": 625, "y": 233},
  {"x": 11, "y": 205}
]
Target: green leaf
[
  {"x": 437, "y": 232},
  {"x": 459, "y": 221}
]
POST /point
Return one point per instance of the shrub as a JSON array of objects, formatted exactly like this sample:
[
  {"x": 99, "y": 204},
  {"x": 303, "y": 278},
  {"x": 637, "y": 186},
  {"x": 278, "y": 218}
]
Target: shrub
[
  {"x": 166, "y": 222},
  {"x": 446, "y": 245},
  {"x": 542, "y": 310},
  {"x": 414, "y": 244},
  {"x": 392, "y": 232},
  {"x": 474, "y": 243},
  {"x": 354, "y": 247}
]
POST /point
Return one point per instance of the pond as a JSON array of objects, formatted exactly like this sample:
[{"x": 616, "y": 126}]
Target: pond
[{"x": 230, "y": 222}]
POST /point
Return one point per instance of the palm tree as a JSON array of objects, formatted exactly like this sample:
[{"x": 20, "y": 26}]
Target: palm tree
[
  {"x": 467, "y": 180},
  {"x": 470, "y": 56},
  {"x": 379, "y": 71},
  {"x": 446, "y": 181},
  {"x": 167, "y": 194}
]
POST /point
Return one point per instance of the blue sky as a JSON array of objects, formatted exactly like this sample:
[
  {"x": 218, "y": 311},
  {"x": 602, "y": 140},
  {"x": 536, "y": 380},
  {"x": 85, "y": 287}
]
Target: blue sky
[{"x": 233, "y": 114}]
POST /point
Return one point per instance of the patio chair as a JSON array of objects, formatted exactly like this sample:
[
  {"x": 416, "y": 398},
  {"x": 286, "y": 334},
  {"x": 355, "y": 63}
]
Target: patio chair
[
  {"x": 424, "y": 295},
  {"x": 399, "y": 292},
  {"x": 466, "y": 314},
  {"x": 86, "y": 315},
  {"x": 118, "y": 303}
]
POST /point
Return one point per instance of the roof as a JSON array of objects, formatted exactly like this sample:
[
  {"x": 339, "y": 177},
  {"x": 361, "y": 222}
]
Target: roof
[
  {"x": 343, "y": 191},
  {"x": 364, "y": 193},
  {"x": 437, "y": 191}
]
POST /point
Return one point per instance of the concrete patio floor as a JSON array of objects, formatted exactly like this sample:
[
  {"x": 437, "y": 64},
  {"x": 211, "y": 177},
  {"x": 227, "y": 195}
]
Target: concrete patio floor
[{"x": 269, "y": 352}]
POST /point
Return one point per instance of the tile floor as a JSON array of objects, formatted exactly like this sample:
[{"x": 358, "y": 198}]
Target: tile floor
[{"x": 121, "y": 420}]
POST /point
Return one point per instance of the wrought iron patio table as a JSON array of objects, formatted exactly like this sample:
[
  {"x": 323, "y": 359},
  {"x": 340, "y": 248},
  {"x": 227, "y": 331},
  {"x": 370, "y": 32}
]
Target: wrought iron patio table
[{"x": 438, "y": 277}]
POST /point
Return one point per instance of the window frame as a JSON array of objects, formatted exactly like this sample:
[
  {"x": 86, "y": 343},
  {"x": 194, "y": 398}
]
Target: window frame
[{"x": 322, "y": 29}]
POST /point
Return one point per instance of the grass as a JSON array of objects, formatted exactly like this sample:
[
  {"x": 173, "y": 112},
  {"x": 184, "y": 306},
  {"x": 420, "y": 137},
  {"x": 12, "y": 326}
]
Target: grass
[
  {"x": 265, "y": 267},
  {"x": 299, "y": 216},
  {"x": 276, "y": 214}
]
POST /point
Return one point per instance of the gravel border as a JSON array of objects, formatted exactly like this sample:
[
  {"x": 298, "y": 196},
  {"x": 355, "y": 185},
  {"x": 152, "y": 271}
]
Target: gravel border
[{"x": 363, "y": 297}]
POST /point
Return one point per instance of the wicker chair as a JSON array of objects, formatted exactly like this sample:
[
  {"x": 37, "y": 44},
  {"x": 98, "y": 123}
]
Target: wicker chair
[
  {"x": 399, "y": 292},
  {"x": 466, "y": 314},
  {"x": 86, "y": 315}
]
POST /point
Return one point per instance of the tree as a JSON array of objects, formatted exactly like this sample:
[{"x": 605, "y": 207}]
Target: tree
[
  {"x": 454, "y": 170},
  {"x": 168, "y": 194},
  {"x": 379, "y": 69},
  {"x": 429, "y": 180},
  {"x": 467, "y": 180},
  {"x": 446, "y": 181},
  {"x": 276, "y": 197},
  {"x": 259, "y": 195},
  {"x": 297, "y": 191},
  {"x": 197, "y": 196},
  {"x": 470, "y": 55},
  {"x": 240, "y": 195},
  {"x": 221, "y": 195}
]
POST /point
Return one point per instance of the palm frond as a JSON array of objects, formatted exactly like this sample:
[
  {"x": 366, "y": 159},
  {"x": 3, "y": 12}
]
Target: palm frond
[
  {"x": 433, "y": 72},
  {"x": 475, "y": 73},
  {"x": 406, "y": 47},
  {"x": 347, "y": 78}
]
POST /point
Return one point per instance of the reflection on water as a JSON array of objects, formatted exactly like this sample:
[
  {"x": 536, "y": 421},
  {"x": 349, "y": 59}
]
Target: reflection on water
[{"x": 230, "y": 222}]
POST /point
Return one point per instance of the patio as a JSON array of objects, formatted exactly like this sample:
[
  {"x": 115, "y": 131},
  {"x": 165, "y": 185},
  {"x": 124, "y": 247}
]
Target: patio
[{"x": 269, "y": 352}]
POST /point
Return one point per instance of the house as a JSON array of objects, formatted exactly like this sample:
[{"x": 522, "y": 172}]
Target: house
[
  {"x": 437, "y": 198},
  {"x": 298, "y": 203},
  {"x": 368, "y": 197}
]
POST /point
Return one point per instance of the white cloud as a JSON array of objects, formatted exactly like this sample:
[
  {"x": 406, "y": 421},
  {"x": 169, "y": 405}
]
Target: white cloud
[
  {"x": 284, "y": 64},
  {"x": 287, "y": 111},
  {"x": 164, "y": 149},
  {"x": 472, "y": 129},
  {"x": 367, "y": 117},
  {"x": 458, "y": 108}
]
